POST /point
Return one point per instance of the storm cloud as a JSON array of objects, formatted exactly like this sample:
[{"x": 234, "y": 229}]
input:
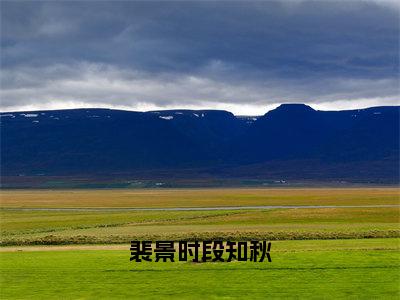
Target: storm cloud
[{"x": 246, "y": 57}]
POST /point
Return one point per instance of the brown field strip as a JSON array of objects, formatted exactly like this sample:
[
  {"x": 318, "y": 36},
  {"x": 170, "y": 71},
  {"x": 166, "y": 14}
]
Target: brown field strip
[{"x": 197, "y": 197}]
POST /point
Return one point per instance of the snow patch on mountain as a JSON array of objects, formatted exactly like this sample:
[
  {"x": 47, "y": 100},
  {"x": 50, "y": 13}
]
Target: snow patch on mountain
[
  {"x": 29, "y": 115},
  {"x": 166, "y": 117}
]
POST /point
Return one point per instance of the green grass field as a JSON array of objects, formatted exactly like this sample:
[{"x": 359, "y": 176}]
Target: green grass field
[
  {"x": 317, "y": 252},
  {"x": 60, "y": 227},
  {"x": 332, "y": 269},
  {"x": 20, "y": 227}
]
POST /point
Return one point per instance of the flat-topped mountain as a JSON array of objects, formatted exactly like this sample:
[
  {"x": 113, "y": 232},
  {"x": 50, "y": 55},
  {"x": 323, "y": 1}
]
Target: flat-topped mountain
[{"x": 291, "y": 141}]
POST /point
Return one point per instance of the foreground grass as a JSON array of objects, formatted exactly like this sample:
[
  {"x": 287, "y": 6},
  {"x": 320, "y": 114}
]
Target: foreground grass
[
  {"x": 199, "y": 197},
  {"x": 305, "y": 268},
  {"x": 364, "y": 269},
  {"x": 58, "y": 227}
]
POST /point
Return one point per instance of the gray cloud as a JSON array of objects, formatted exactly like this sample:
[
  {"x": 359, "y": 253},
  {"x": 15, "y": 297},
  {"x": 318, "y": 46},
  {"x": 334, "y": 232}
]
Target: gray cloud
[{"x": 243, "y": 56}]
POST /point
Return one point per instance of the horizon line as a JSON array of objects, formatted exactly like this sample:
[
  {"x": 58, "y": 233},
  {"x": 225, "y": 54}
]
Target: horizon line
[{"x": 189, "y": 109}]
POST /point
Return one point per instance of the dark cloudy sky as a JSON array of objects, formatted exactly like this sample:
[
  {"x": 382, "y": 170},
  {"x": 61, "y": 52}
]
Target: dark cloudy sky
[{"x": 245, "y": 57}]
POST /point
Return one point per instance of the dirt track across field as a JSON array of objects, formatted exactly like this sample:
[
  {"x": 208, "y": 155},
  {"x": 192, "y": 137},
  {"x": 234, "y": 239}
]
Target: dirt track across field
[{"x": 193, "y": 208}]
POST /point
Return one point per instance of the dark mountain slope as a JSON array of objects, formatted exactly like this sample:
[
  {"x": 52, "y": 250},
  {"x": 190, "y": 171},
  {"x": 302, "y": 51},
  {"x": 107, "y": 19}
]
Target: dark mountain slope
[
  {"x": 208, "y": 128},
  {"x": 287, "y": 132},
  {"x": 296, "y": 131},
  {"x": 363, "y": 135},
  {"x": 75, "y": 141},
  {"x": 292, "y": 141}
]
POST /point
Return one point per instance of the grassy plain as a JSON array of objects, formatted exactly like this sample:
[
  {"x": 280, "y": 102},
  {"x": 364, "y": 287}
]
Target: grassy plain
[
  {"x": 198, "y": 197},
  {"x": 331, "y": 269},
  {"x": 333, "y": 253},
  {"x": 82, "y": 227},
  {"x": 19, "y": 227}
]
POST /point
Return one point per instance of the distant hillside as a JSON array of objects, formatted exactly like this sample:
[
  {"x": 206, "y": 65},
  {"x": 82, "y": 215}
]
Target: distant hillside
[{"x": 292, "y": 141}]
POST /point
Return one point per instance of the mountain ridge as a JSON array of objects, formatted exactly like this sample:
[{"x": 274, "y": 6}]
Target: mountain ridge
[{"x": 93, "y": 141}]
